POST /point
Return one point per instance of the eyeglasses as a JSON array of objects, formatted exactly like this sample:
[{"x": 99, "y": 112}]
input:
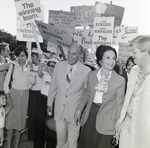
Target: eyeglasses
[
  {"x": 51, "y": 66},
  {"x": 135, "y": 50}
]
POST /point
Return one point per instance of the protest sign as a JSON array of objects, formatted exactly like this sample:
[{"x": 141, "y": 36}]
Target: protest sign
[
  {"x": 28, "y": 11},
  {"x": 102, "y": 31},
  {"x": 124, "y": 34},
  {"x": 110, "y": 11},
  {"x": 84, "y": 37},
  {"x": 25, "y": 33},
  {"x": 62, "y": 19},
  {"x": 55, "y": 34},
  {"x": 124, "y": 53},
  {"x": 85, "y": 14}
]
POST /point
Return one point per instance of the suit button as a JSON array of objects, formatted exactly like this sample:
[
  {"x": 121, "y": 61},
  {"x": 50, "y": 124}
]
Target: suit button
[
  {"x": 63, "y": 104},
  {"x": 66, "y": 96}
]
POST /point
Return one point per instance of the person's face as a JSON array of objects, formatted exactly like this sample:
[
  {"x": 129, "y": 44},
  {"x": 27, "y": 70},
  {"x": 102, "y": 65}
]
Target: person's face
[
  {"x": 108, "y": 61},
  {"x": 34, "y": 59},
  {"x": 129, "y": 66},
  {"x": 73, "y": 55},
  {"x": 2, "y": 100},
  {"x": 51, "y": 66},
  {"x": 138, "y": 56},
  {"x": 22, "y": 57},
  {"x": 5, "y": 53}
]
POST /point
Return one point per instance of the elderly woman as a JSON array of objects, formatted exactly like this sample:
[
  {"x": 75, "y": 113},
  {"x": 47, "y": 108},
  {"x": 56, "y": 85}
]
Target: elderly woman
[
  {"x": 22, "y": 80},
  {"x": 101, "y": 103},
  {"x": 133, "y": 127}
]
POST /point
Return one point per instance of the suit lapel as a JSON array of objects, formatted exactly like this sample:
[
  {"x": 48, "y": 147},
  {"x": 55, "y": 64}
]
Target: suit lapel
[
  {"x": 113, "y": 82},
  {"x": 64, "y": 74}
]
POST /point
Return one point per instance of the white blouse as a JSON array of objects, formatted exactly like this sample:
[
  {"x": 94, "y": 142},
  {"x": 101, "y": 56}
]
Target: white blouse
[{"x": 22, "y": 78}]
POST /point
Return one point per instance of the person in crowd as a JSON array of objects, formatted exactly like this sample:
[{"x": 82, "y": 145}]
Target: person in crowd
[
  {"x": 34, "y": 96},
  {"x": 2, "y": 115},
  {"x": 129, "y": 64},
  {"x": 133, "y": 126},
  {"x": 67, "y": 86},
  {"x": 18, "y": 94},
  {"x": 101, "y": 102},
  {"x": 4, "y": 53},
  {"x": 45, "y": 72}
]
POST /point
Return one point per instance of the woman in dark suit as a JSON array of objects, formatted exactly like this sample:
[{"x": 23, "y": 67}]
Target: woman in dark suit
[{"x": 101, "y": 103}]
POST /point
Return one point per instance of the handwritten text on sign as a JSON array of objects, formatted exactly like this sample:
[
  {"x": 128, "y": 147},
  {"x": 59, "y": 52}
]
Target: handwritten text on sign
[
  {"x": 84, "y": 37},
  {"x": 55, "y": 34},
  {"x": 63, "y": 19}
]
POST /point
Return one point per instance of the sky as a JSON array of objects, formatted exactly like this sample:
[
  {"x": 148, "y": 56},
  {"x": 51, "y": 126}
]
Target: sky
[{"x": 137, "y": 12}]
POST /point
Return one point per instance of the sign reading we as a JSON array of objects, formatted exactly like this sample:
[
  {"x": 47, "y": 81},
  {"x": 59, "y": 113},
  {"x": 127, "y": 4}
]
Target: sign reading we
[{"x": 28, "y": 11}]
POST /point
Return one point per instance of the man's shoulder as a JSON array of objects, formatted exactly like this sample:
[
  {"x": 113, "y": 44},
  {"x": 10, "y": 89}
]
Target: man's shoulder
[{"x": 84, "y": 67}]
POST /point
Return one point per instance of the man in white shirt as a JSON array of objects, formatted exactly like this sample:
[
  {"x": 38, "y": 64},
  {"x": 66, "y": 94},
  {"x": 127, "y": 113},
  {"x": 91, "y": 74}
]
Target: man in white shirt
[{"x": 4, "y": 52}]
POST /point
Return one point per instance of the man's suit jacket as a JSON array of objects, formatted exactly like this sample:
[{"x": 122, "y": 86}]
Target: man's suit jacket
[
  {"x": 67, "y": 98},
  {"x": 112, "y": 102},
  {"x": 140, "y": 128}
]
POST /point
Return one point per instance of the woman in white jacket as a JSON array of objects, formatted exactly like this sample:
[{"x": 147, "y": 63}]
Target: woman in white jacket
[{"x": 133, "y": 127}]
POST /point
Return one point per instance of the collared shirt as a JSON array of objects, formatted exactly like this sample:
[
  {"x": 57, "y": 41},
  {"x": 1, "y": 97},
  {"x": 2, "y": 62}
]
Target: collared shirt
[
  {"x": 22, "y": 78},
  {"x": 74, "y": 67},
  {"x": 99, "y": 94},
  {"x": 3, "y": 73},
  {"x": 2, "y": 117}
]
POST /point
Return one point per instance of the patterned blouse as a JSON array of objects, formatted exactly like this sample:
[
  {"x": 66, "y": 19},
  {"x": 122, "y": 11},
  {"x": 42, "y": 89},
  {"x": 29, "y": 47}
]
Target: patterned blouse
[{"x": 22, "y": 78}]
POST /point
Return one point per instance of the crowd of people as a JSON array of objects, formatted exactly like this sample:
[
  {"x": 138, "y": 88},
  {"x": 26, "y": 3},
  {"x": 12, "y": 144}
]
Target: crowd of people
[{"x": 86, "y": 107}]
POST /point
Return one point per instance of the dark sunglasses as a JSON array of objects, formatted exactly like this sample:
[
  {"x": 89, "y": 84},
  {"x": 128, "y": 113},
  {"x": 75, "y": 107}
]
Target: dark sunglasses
[{"x": 51, "y": 66}]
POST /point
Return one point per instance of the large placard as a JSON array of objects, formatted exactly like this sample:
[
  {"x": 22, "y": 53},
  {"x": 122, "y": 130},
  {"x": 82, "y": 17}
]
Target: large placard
[
  {"x": 63, "y": 19},
  {"x": 55, "y": 34},
  {"x": 28, "y": 11},
  {"x": 102, "y": 31}
]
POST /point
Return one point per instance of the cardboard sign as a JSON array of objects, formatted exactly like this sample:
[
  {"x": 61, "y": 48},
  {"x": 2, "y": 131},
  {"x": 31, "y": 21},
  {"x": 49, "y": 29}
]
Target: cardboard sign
[
  {"x": 102, "y": 31},
  {"x": 84, "y": 37},
  {"x": 25, "y": 33},
  {"x": 85, "y": 14},
  {"x": 124, "y": 34},
  {"x": 124, "y": 53},
  {"x": 111, "y": 11},
  {"x": 63, "y": 19},
  {"x": 55, "y": 34},
  {"x": 28, "y": 11}
]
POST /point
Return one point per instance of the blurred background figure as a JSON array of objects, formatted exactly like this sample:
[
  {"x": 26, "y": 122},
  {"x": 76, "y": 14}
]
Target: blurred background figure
[
  {"x": 126, "y": 72},
  {"x": 45, "y": 72},
  {"x": 34, "y": 96}
]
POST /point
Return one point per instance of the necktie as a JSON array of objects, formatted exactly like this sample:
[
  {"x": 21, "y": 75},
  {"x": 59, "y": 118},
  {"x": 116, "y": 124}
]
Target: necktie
[{"x": 69, "y": 75}]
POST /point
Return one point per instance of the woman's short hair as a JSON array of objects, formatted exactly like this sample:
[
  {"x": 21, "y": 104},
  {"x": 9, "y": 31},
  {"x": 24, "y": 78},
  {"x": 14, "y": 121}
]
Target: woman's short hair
[
  {"x": 130, "y": 59},
  {"x": 21, "y": 48},
  {"x": 100, "y": 52}
]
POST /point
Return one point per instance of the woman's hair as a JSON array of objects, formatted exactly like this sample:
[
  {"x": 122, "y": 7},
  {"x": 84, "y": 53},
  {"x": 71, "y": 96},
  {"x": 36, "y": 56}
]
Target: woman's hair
[
  {"x": 2, "y": 93},
  {"x": 20, "y": 49},
  {"x": 130, "y": 59},
  {"x": 142, "y": 43},
  {"x": 100, "y": 52}
]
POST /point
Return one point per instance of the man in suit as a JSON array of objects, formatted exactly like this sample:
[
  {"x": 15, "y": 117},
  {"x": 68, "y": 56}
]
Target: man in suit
[{"x": 67, "y": 96}]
